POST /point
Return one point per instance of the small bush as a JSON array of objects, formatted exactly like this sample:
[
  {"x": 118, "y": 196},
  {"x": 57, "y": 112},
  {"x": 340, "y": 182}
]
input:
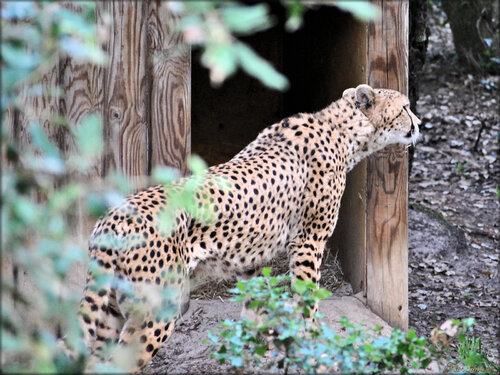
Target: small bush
[{"x": 282, "y": 339}]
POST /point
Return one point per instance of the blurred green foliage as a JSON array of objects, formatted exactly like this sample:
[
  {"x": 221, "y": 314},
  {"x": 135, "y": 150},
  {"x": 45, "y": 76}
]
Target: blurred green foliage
[
  {"x": 215, "y": 25},
  {"x": 45, "y": 190},
  {"x": 34, "y": 34}
]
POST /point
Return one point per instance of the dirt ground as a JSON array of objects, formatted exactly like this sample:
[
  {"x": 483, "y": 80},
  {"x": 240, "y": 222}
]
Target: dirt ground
[
  {"x": 453, "y": 218},
  {"x": 454, "y": 197}
]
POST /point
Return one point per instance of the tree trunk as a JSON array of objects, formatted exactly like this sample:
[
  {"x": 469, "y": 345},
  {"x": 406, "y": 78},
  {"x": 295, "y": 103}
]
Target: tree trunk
[
  {"x": 418, "y": 40},
  {"x": 463, "y": 16}
]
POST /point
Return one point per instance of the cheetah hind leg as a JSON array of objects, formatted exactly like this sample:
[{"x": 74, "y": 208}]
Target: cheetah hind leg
[
  {"x": 149, "y": 322},
  {"x": 100, "y": 318}
]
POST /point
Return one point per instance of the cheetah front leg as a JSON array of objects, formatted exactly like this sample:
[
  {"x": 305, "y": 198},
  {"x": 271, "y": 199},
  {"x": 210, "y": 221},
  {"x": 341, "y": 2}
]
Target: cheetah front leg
[{"x": 305, "y": 262}]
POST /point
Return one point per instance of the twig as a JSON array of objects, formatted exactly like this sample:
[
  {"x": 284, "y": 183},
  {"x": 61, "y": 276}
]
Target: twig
[{"x": 474, "y": 149}]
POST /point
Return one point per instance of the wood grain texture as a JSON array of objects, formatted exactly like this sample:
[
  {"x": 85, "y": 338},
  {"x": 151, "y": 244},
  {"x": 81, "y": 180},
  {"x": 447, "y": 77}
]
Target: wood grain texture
[
  {"x": 387, "y": 175},
  {"x": 10, "y": 121},
  {"x": 126, "y": 96},
  {"x": 39, "y": 104},
  {"x": 83, "y": 95},
  {"x": 170, "y": 69}
]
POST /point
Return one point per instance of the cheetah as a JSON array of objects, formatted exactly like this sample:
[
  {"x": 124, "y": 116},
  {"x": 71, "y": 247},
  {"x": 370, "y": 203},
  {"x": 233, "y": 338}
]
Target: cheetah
[{"x": 284, "y": 195}]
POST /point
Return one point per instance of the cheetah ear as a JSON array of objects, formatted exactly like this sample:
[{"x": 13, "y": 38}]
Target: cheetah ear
[
  {"x": 365, "y": 97},
  {"x": 349, "y": 95}
]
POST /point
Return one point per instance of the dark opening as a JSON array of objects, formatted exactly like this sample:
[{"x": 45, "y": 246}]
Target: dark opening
[{"x": 324, "y": 57}]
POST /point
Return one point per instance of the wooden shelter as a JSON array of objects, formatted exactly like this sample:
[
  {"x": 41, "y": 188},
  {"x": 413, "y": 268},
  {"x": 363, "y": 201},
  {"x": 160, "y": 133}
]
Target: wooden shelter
[{"x": 157, "y": 107}]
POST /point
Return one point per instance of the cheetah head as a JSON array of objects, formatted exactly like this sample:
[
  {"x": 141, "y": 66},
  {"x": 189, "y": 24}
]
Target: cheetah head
[{"x": 388, "y": 112}]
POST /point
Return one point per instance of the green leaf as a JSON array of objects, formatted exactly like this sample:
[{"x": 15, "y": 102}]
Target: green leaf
[
  {"x": 71, "y": 23},
  {"x": 18, "y": 9},
  {"x": 19, "y": 58},
  {"x": 266, "y": 271},
  {"x": 165, "y": 175},
  {"x": 299, "y": 287},
  {"x": 274, "y": 281},
  {"x": 89, "y": 136},
  {"x": 320, "y": 294},
  {"x": 80, "y": 50},
  {"x": 196, "y": 165},
  {"x": 261, "y": 350},
  {"x": 240, "y": 286},
  {"x": 41, "y": 141},
  {"x": 245, "y": 19},
  {"x": 259, "y": 68},
  {"x": 49, "y": 164},
  {"x": 12, "y": 77},
  {"x": 221, "y": 60},
  {"x": 26, "y": 210},
  {"x": 236, "y": 361},
  {"x": 295, "y": 15},
  {"x": 62, "y": 199},
  {"x": 194, "y": 7},
  {"x": 411, "y": 334},
  {"x": 468, "y": 322},
  {"x": 96, "y": 205},
  {"x": 362, "y": 10},
  {"x": 254, "y": 304}
]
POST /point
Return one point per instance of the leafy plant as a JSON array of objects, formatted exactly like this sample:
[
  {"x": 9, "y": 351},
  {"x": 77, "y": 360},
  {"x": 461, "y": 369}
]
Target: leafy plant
[
  {"x": 472, "y": 355},
  {"x": 461, "y": 168},
  {"x": 281, "y": 339},
  {"x": 39, "y": 202}
]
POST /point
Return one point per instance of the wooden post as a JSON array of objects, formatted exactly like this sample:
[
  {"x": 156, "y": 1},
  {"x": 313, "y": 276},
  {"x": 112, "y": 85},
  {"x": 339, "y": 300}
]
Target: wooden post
[
  {"x": 126, "y": 94},
  {"x": 387, "y": 175},
  {"x": 170, "y": 69}
]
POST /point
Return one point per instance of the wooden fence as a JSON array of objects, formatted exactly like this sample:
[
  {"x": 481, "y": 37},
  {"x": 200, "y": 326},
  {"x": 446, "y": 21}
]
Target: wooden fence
[{"x": 142, "y": 92}]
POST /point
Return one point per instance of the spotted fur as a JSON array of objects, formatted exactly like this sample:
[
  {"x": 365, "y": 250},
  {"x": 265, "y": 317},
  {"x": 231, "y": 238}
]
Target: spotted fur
[{"x": 285, "y": 194}]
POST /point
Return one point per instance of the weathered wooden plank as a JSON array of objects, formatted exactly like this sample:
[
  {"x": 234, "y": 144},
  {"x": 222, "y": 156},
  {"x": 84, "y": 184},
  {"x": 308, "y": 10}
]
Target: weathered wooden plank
[
  {"x": 126, "y": 96},
  {"x": 83, "y": 92},
  {"x": 349, "y": 70},
  {"x": 11, "y": 121},
  {"x": 83, "y": 88},
  {"x": 170, "y": 69},
  {"x": 387, "y": 175},
  {"x": 349, "y": 238},
  {"x": 39, "y": 104}
]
